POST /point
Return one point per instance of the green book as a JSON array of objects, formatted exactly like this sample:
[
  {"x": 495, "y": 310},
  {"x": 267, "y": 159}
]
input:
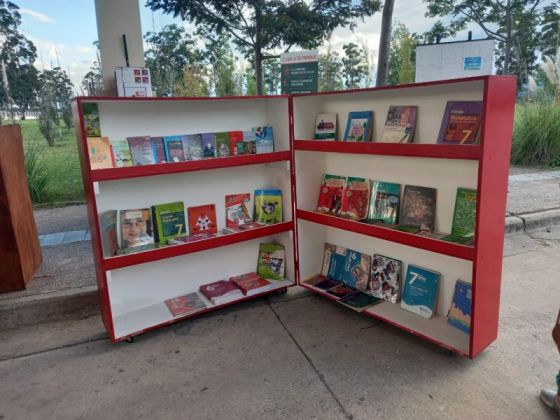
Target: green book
[
  {"x": 91, "y": 119},
  {"x": 121, "y": 153},
  {"x": 222, "y": 144},
  {"x": 170, "y": 222},
  {"x": 407, "y": 228},
  {"x": 271, "y": 263},
  {"x": 464, "y": 216}
]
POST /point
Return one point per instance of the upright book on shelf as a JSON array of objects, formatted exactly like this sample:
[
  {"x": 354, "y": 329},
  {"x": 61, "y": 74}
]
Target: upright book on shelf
[
  {"x": 222, "y": 143},
  {"x": 418, "y": 207},
  {"x": 400, "y": 124},
  {"x": 90, "y": 113},
  {"x": 100, "y": 155},
  {"x": 355, "y": 198},
  {"x": 459, "y": 315},
  {"x": 271, "y": 263},
  {"x": 141, "y": 150},
  {"x": 461, "y": 122},
  {"x": 192, "y": 146},
  {"x": 330, "y": 195},
  {"x": 385, "y": 281},
  {"x": 385, "y": 198},
  {"x": 325, "y": 127},
  {"x": 136, "y": 228},
  {"x": 158, "y": 149},
  {"x": 238, "y": 210},
  {"x": 420, "y": 291},
  {"x": 121, "y": 153},
  {"x": 359, "y": 126},
  {"x": 268, "y": 206},
  {"x": 264, "y": 140},
  {"x": 169, "y": 220},
  {"x": 202, "y": 219},
  {"x": 174, "y": 151}
]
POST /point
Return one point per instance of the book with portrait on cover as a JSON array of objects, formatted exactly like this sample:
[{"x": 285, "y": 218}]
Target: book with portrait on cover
[{"x": 400, "y": 124}]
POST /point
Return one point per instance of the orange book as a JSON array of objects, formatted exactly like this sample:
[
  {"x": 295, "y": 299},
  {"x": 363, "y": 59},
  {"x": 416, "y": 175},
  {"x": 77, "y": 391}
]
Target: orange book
[
  {"x": 202, "y": 219},
  {"x": 100, "y": 154}
]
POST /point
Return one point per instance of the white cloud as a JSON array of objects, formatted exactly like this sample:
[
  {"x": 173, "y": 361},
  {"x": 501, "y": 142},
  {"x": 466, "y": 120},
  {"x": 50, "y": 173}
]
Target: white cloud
[{"x": 41, "y": 17}]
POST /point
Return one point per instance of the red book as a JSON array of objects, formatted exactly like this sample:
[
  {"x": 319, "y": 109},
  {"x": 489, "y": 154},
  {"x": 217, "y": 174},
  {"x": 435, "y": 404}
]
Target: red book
[
  {"x": 251, "y": 283},
  {"x": 235, "y": 137},
  {"x": 202, "y": 219},
  {"x": 184, "y": 305},
  {"x": 221, "y": 291},
  {"x": 355, "y": 198},
  {"x": 237, "y": 209},
  {"x": 330, "y": 196}
]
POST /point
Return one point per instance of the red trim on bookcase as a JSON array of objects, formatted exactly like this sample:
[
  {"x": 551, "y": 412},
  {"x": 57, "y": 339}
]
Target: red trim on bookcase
[
  {"x": 391, "y": 149},
  {"x": 497, "y": 120},
  {"x": 188, "y": 166},
  {"x": 388, "y": 234}
]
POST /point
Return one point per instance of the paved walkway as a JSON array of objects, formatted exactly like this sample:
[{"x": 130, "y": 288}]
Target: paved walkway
[{"x": 63, "y": 238}]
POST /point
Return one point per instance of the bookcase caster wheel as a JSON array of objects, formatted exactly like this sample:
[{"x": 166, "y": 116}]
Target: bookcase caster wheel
[
  {"x": 282, "y": 290},
  {"x": 130, "y": 340}
]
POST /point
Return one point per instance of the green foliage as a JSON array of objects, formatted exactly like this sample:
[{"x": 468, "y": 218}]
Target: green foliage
[
  {"x": 219, "y": 55},
  {"x": 193, "y": 82},
  {"x": 402, "y": 62},
  {"x": 536, "y": 135},
  {"x": 355, "y": 69},
  {"x": 330, "y": 71},
  {"x": 54, "y": 102},
  {"x": 36, "y": 172},
  {"x": 550, "y": 30},
  {"x": 272, "y": 76}
]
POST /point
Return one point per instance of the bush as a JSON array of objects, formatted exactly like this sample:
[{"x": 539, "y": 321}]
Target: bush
[
  {"x": 536, "y": 135},
  {"x": 36, "y": 172}
]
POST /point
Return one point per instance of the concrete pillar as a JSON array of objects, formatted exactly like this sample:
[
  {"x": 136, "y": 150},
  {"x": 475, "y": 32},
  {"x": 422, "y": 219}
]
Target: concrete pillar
[{"x": 115, "y": 18}]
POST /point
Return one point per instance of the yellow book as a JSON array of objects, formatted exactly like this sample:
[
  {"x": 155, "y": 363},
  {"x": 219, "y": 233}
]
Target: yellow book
[{"x": 100, "y": 156}]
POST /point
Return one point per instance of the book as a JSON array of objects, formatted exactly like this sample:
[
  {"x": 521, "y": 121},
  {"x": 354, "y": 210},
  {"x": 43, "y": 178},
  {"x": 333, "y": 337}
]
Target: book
[
  {"x": 464, "y": 214},
  {"x": 406, "y": 228},
  {"x": 264, "y": 139},
  {"x": 187, "y": 239},
  {"x": 174, "y": 151},
  {"x": 432, "y": 235},
  {"x": 400, "y": 124},
  {"x": 418, "y": 207},
  {"x": 328, "y": 251},
  {"x": 268, "y": 206},
  {"x": 349, "y": 267},
  {"x": 237, "y": 209},
  {"x": 325, "y": 127},
  {"x": 420, "y": 291},
  {"x": 341, "y": 291},
  {"x": 461, "y": 122},
  {"x": 108, "y": 230},
  {"x": 330, "y": 196},
  {"x": 169, "y": 221},
  {"x": 141, "y": 150},
  {"x": 312, "y": 281},
  {"x": 222, "y": 143},
  {"x": 202, "y": 219},
  {"x": 100, "y": 155},
  {"x": 240, "y": 228},
  {"x": 271, "y": 261},
  {"x": 359, "y": 126},
  {"x": 459, "y": 315},
  {"x": 192, "y": 146},
  {"x": 385, "y": 278},
  {"x": 185, "y": 305},
  {"x": 136, "y": 249},
  {"x": 385, "y": 198},
  {"x": 251, "y": 284},
  {"x": 158, "y": 149},
  {"x": 90, "y": 113},
  {"x": 220, "y": 292},
  {"x": 208, "y": 145},
  {"x": 121, "y": 153},
  {"x": 360, "y": 301},
  {"x": 355, "y": 198},
  {"x": 249, "y": 143},
  {"x": 136, "y": 228},
  {"x": 326, "y": 284},
  {"x": 236, "y": 146}
]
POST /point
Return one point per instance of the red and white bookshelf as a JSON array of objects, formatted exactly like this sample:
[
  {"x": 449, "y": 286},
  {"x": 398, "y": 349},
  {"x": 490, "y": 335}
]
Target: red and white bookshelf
[{"x": 133, "y": 287}]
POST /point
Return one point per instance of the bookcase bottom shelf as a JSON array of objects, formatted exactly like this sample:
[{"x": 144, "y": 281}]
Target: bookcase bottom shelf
[{"x": 157, "y": 315}]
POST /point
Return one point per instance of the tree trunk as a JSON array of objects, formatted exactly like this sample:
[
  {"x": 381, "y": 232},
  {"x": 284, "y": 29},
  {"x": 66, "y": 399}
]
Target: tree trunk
[
  {"x": 509, "y": 38},
  {"x": 258, "y": 49},
  {"x": 385, "y": 43}
]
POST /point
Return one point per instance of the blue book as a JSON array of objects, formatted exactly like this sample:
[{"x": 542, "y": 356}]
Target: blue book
[
  {"x": 420, "y": 291},
  {"x": 264, "y": 139},
  {"x": 173, "y": 149},
  {"x": 358, "y": 126},
  {"x": 459, "y": 315},
  {"x": 158, "y": 149},
  {"x": 350, "y": 267},
  {"x": 208, "y": 145}
]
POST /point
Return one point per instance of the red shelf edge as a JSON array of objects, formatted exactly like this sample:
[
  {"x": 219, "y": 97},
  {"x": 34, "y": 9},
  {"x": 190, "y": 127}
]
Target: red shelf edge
[
  {"x": 392, "y": 235},
  {"x": 442, "y": 151},
  {"x": 172, "y": 251},
  {"x": 188, "y": 166}
]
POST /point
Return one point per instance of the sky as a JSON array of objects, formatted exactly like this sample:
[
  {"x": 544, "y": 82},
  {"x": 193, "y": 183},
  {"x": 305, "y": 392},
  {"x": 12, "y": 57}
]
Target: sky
[{"x": 64, "y": 30}]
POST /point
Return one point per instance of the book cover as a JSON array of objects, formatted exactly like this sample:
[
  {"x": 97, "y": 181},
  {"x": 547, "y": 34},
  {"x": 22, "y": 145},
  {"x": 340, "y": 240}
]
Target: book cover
[
  {"x": 174, "y": 149},
  {"x": 208, "y": 145},
  {"x": 459, "y": 315},
  {"x": 169, "y": 220},
  {"x": 136, "y": 228},
  {"x": 327, "y": 254},
  {"x": 251, "y": 283},
  {"x": 187, "y": 239},
  {"x": 360, "y": 301},
  {"x": 90, "y": 113},
  {"x": 121, "y": 153},
  {"x": 249, "y": 143},
  {"x": 158, "y": 149},
  {"x": 219, "y": 292},
  {"x": 237, "y": 209},
  {"x": 236, "y": 143},
  {"x": 350, "y": 267},
  {"x": 222, "y": 143},
  {"x": 185, "y": 305},
  {"x": 420, "y": 291},
  {"x": 385, "y": 278},
  {"x": 384, "y": 202},
  {"x": 268, "y": 206},
  {"x": 325, "y": 127},
  {"x": 100, "y": 155},
  {"x": 419, "y": 207},
  {"x": 108, "y": 229},
  {"x": 330, "y": 196},
  {"x": 202, "y": 219},
  {"x": 141, "y": 150},
  {"x": 359, "y": 126},
  {"x": 341, "y": 291},
  {"x": 192, "y": 146},
  {"x": 326, "y": 284},
  {"x": 264, "y": 139},
  {"x": 355, "y": 198},
  {"x": 271, "y": 262},
  {"x": 400, "y": 124},
  {"x": 464, "y": 214},
  {"x": 461, "y": 122},
  {"x": 312, "y": 281}
]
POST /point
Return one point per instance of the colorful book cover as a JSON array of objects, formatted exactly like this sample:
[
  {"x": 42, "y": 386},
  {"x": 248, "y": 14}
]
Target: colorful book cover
[
  {"x": 222, "y": 144},
  {"x": 360, "y": 301},
  {"x": 169, "y": 220},
  {"x": 251, "y": 283},
  {"x": 330, "y": 196},
  {"x": 385, "y": 278},
  {"x": 464, "y": 215},
  {"x": 420, "y": 291},
  {"x": 350, "y": 267},
  {"x": 192, "y": 146},
  {"x": 400, "y": 124},
  {"x": 121, "y": 153},
  {"x": 91, "y": 119},
  {"x": 249, "y": 143},
  {"x": 108, "y": 228},
  {"x": 264, "y": 139},
  {"x": 268, "y": 206},
  {"x": 419, "y": 207},
  {"x": 325, "y": 127},
  {"x": 185, "y": 305},
  {"x": 237, "y": 209},
  {"x": 208, "y": 145},
  {"x": 219, "y": 292},
  {"x": 158, "y": 149},
  {"x": 459, "y": 315},
  {"x": 461, "y": 122},
  {"x": 384, "y": 202},
  {"x": 341, "y": 291},
  {"x": 355, "y": 198},
  {"x": 328, "y": 251},
  {"x": 136, "y": 228},
  {"x": 100, "y": 155},
  {"x": 174, "y": 151},
  {"x": 141, "y": 150},
  {"x": 359, "y": 126},
  {"x": 202, "y": 219},
  {"x": 271, "y": 262},
  {"x": 236, "y": 146}
]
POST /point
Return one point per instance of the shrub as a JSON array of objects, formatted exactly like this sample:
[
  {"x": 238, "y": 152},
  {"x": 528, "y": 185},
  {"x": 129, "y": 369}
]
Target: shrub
[{"x": 36, "y": 172}]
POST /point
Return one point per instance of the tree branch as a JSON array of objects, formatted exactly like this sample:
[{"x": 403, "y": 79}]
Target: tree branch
[{"x": 482, "y": 25}]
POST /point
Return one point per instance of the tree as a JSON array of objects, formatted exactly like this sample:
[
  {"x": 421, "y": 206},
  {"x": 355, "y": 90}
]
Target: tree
[
  {"x": 92, "y": 82},
  {"x": 550, "y": 30},
  {"x": 330, "y": 71},
  {"x": 385, "y": 43},
  {"x": 48, "y": 116},
  {"x": 221, "y": 60},
  {"x": 354, "y": 68},
  {"x": 260, "y": 27},
  {"x": 194, "y": 81},
  {"x": 368, "y": 59},
  {"x": 23, "y": 81},
  {"x": 272, "y": 76},
  {"x": 56, "y": 93},
  {"x": 402, "y": 62}
]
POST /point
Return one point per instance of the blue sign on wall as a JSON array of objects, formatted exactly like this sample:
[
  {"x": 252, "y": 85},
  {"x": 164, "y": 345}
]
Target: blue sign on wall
[{"x": 472, "y": 63}]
